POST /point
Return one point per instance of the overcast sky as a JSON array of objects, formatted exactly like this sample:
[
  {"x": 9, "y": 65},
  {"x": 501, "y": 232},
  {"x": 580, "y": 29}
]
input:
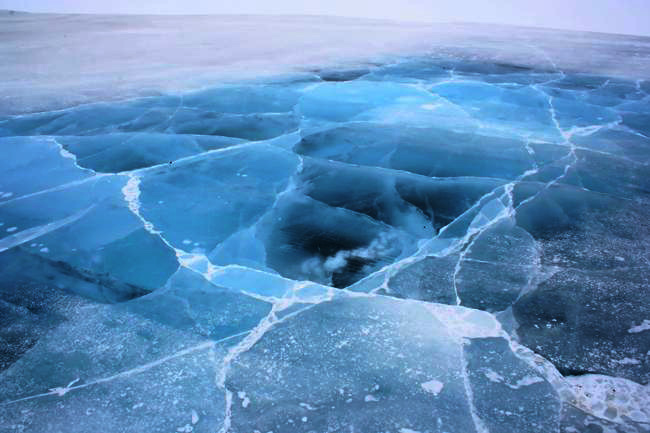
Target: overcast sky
[{"x": 615, "y": 16}]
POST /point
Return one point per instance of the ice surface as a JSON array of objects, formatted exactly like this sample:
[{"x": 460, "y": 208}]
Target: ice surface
[
  {"x": 371, "y": 356},
  {"x": 453, "y": 241}
]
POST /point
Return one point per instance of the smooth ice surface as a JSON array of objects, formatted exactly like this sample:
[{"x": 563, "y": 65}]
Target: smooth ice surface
[{"x": 453, "y": 241}]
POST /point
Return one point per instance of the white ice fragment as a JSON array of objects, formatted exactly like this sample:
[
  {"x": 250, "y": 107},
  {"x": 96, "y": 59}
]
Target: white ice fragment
[
  {"x": 342, "y": 344},
  {"x": 370, "y": 397},
  {"x": 493, "y": 376},
  {"x": 526, "y": 381},
  {"x": 627, "y": 361},
  {"x": 307, "y": 406},
  {"x": 433, "y": 386},
  {"x": 45, "y": 250},
  {"x": 187, "y": 241},
  {"x": 407, "y": 430},
  {"x": 7, "y": 194},
  {"x": 60, "y": 391},
  {"x": 12, "y": 229},
  {"x": 304, "y": 419},
  {"x": 63, "y": 390},
  {"x": 195, "y": 417},
  {"x": 131, "y": 193},
  {"x": 644, "y": 326},
  {"x": 245, "y": 401}
]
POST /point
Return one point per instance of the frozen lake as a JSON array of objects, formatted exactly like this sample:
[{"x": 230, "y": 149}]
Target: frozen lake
[{"x": 308, "y": 224}]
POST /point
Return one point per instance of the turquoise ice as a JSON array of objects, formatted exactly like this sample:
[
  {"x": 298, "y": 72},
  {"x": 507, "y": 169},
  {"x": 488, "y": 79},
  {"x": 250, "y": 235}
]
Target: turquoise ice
[{"x": 425, "y": 245}]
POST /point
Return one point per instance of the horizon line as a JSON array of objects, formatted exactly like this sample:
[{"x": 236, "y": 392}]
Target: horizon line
[{"x": 351, "y": 17}]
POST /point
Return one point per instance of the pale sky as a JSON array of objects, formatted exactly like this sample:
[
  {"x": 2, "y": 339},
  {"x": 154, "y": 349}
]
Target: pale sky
[{"x": 613, "y": 16}]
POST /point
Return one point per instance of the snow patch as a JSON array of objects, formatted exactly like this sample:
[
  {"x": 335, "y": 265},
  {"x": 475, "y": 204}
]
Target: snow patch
[{"x": 433, "y": 386}]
